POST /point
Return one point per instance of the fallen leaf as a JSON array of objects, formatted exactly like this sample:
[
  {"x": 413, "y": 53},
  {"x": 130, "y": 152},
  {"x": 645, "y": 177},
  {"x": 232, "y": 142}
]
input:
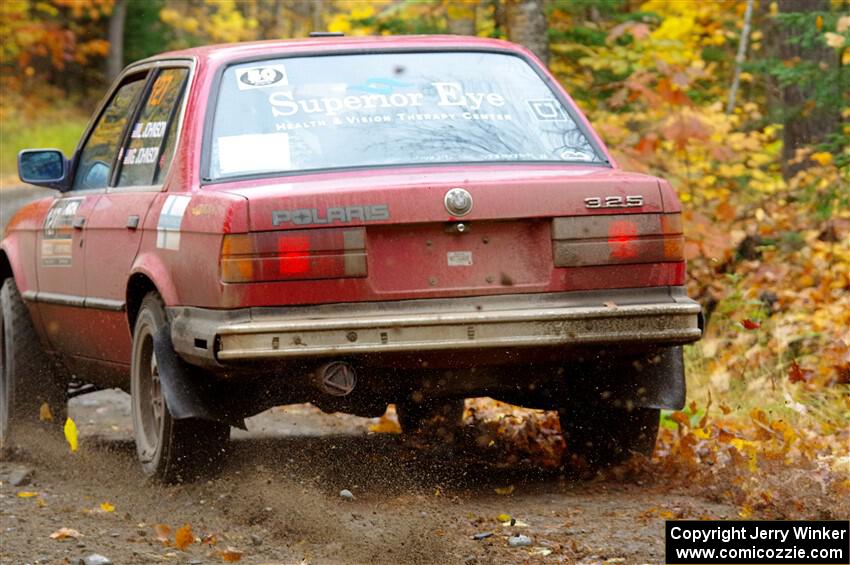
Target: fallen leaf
[
  {"x": 27, "y": 494},
  {"x": 505, "y": 490},
  {"x": 66, "y": 533},
  {"x": 797, "y": 374},
  {"x": 750, "y": 325},
  {"x": 503, "y": 517},
  {"x": 230, "y": 554},
  {"x": 44, "y": 413},
  {"x": 106, "y": 507},
  {"x": 163, "y": 533},
  {"x": 824, "y": 158},
  {"x": 183, "y": 537},
  {"x": 71, "y": 434},
  {"x": 385, "y": 426},
  {"x": 512, "y": 523},
  {"x": 209, "y": 539}
]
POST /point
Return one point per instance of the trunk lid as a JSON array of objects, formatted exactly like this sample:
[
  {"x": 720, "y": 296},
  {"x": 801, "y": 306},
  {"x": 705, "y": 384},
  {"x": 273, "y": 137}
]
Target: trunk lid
[{"x": 415, "y": 247}]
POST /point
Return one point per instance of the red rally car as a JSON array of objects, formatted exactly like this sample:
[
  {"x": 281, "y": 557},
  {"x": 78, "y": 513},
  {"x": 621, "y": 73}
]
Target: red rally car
[{"x": 350, "y": 222}]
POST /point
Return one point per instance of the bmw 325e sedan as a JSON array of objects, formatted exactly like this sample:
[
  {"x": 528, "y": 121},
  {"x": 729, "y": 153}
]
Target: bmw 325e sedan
[{"x": 351, "y": 222}]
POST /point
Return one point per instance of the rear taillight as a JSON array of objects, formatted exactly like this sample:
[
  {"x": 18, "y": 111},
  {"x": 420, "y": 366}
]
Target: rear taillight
[
  {"x": 621, "y": 239},
  {"x": 293, "y": 255}
]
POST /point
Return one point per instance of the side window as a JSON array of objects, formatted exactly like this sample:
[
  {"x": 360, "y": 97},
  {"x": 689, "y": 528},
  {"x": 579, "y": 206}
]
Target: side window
[
  {"x": 98, "y": 155},
  {"x": 151, "y": 144}
]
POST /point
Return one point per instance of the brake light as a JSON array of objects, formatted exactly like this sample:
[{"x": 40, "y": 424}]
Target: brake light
[
  {"x": 617, "y": 239},
  {"x": 293, "y": 255}
]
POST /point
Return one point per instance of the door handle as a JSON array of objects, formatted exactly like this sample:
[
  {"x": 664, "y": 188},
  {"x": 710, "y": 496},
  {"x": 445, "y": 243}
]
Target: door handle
[
  {"x": 78, "y": 223},
  {"x": 132, "y": 222}
]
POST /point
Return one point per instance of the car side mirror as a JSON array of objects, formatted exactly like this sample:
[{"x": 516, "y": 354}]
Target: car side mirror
[{"x": 44, "y": 167}]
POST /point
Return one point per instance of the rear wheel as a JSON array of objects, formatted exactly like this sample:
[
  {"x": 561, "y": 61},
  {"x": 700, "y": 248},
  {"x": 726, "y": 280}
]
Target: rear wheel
[
  {"x": 30, "y": 389},
  {"x": 600, "y": 435},
  {"x": 169, "y": 450},
  {"x": 429, "y": 415}
]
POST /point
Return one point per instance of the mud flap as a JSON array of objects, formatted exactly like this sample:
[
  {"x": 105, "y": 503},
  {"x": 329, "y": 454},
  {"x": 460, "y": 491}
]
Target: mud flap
[
  {"x": 188, "y": 392},
  {"x": 661, "y": 380},
  {"x": 656, "y": 380}
]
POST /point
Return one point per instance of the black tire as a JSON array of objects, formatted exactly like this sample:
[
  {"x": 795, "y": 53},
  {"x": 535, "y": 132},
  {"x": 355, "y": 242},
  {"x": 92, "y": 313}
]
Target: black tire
[
  {"x": 28, "y": 378},
  {"x": 432, "y": 414},
  {"x": 600, "y": 435},
  {"x": 169, "y": 450}
]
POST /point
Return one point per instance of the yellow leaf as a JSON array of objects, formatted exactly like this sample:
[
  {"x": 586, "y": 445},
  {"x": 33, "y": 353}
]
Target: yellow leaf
[
  {"x": 40, "y": 502},
  {"x": 505, "y": 490},
  {"x": 71, "y": 434},
  {"x": 106, "y": 507},
  {"x": 503, "y": 517},
  {"x": 385, "y": 426},
  {"x": 27, "y": 494},
  {"x": 44, "y": 413},
  {"x": 823, "y": 158},
  {"x": 819, "y": 23},
  {"x": 745, "y": 511},
  {"x": 183, "y": 537}
]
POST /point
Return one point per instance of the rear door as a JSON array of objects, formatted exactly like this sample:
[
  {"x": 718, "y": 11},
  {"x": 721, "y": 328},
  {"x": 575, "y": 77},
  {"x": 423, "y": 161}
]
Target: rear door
[
  {"x": 114, "y": 226},
  {"x": 63, "y": 238}
]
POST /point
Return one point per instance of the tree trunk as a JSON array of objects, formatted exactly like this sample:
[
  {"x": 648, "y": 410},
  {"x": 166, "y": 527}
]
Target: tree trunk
[
  {"x": 461, "y": 17},
  {"x": 805, "y": 124},
  {"x": 316, "y": 15},
  {"x": 527, "y": 26},
  {"x": 740, "y": 58},
  {"x": 115, "y": 58}
]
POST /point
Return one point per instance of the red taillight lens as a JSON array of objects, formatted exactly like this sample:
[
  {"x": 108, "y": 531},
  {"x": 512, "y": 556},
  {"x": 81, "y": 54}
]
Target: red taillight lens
[
  {"x": 293, "y": 255},
  {"x": 617, "y": 239}
]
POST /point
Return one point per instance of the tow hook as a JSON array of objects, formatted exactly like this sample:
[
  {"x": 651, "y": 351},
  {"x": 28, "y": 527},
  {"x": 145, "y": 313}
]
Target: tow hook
[{"x": 336, "y": 378}]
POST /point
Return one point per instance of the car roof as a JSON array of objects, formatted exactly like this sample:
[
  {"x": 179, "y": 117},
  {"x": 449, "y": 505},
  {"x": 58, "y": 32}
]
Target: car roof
[{"x": 225, "y": 52}]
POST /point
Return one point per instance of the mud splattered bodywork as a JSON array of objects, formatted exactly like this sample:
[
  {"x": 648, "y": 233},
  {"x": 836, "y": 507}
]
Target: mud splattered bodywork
[{"x": 433, "y": 214}]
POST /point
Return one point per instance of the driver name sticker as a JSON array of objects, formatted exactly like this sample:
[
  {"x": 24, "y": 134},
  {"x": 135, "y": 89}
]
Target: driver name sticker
[{"x": 261, "y": 77}]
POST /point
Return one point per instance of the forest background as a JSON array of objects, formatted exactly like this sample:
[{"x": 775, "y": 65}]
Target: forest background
[{"x": 743, "y": 105}]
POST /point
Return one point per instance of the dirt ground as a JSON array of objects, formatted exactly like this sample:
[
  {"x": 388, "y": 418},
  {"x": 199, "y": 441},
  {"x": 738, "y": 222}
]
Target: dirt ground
[{"x": 277, "y": 500}]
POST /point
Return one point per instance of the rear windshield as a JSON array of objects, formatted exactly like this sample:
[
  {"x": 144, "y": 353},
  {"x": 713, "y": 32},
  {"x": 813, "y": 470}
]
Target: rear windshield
[{"x": 326, "y": 112}]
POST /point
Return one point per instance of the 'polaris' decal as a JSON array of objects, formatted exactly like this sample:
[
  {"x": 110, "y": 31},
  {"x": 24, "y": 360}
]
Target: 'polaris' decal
[
  {"x": 170, "y": 219},
  {"x": 345, "y": 214}
]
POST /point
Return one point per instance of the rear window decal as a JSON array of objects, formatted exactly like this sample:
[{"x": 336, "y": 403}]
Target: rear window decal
[
  {"x": 547, "y": 110},
  {"x": 170, "y": 219},
  {"x": 261, "y": 77},
  {"x": 254, "y": 153}
]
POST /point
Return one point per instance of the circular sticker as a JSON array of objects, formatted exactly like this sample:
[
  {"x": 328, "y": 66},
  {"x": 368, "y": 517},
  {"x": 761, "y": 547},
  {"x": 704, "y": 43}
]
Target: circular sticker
[{"x": 260, "y": 76}]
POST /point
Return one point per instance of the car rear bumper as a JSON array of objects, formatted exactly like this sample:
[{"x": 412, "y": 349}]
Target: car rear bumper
[{"x": 661, "y": 315}]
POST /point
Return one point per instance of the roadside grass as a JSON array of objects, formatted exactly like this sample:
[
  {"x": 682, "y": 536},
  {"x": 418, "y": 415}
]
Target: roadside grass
[
  {"x": 766, "y": 387},
  {"x": 55, "y": 129}
]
